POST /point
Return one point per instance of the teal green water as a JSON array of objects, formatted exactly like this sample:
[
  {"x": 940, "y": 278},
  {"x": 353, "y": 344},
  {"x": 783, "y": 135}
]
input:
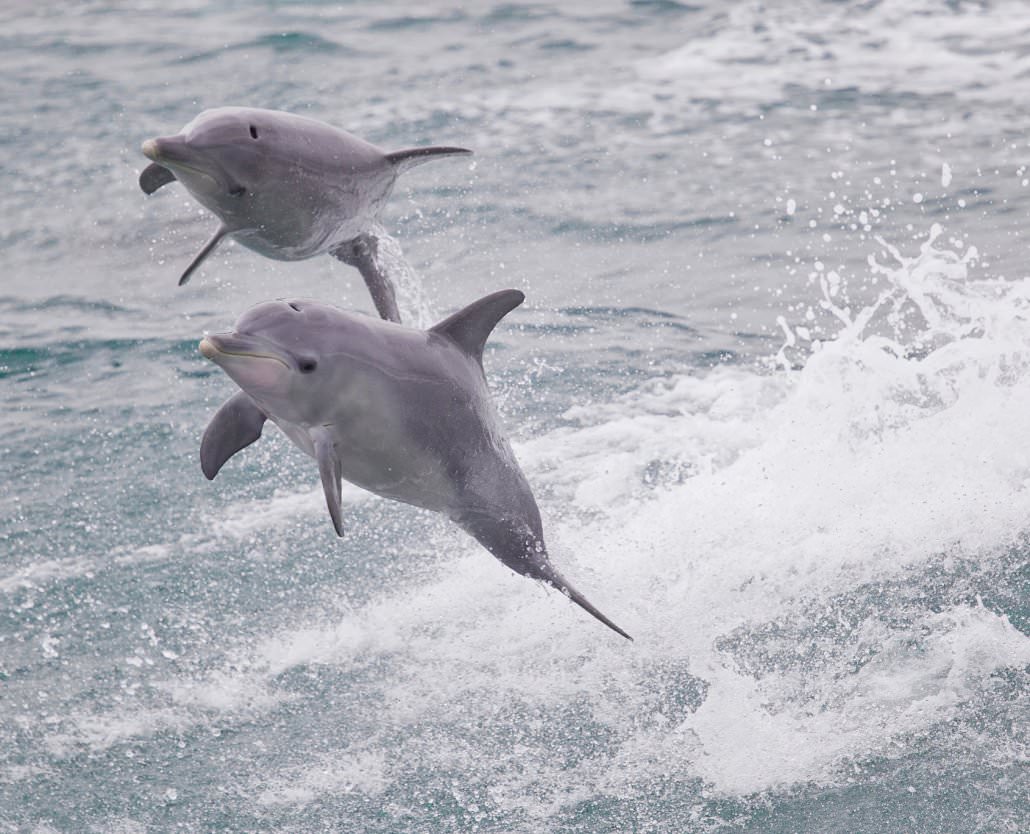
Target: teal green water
[{"x": 771, "y": 387}]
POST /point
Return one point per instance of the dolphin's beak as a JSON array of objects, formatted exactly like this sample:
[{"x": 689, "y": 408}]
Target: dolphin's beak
[
  {"x": 176, "y": 154},
  {"x": 207, "y": 348},
  {"x": 168, "y": 149}
]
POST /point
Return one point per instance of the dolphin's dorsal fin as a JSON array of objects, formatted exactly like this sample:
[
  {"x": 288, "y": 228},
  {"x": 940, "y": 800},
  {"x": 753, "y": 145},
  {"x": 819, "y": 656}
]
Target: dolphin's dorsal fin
[
  {"x": 153, "y": 177},
  {"x": 410, "y": 157},
  {"x": 470, "y": 327},
  {"x": 235, "y": 426}
]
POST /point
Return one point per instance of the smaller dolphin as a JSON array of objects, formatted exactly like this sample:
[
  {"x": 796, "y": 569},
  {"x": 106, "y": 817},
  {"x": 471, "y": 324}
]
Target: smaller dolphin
[
  {"x": 287, "y": 186},
  {"x": 403, "y": 413}
]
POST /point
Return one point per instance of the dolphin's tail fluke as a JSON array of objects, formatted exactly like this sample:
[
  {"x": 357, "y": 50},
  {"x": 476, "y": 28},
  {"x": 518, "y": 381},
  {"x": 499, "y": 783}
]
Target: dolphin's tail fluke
[
  {"x": 552, "y": 577},
  {"x": 520, "y": 546},
  {"x": 410, "y": 157},
  {"x": 363, "y": 253}
]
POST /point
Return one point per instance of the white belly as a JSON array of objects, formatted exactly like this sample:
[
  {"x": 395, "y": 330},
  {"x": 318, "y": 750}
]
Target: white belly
[{"x": 376, "y": 457}]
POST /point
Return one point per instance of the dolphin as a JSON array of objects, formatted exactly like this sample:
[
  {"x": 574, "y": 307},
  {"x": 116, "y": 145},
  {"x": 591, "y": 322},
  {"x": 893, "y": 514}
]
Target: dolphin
[
  {"x": 403, "y": 413},
  {"x": 287, "y": 186}
]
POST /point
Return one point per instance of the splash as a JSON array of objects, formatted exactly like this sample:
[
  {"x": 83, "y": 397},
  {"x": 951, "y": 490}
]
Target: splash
[
  {"x": 411, "y": 297},
  {"x": 896, "y": 454},
  {"x": 928, "y": 302}
]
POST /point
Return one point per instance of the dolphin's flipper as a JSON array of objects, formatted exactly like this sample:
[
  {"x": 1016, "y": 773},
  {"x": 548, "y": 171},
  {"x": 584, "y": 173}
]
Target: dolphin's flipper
[
  {"x": 235, "y": 426},
  {"x": 331, "y": 471},
  {"x": 153, "y": 177},
  {"x": 203, "y": 253},
  {"x": 410, "y": 157},
  {"x": 470, "y": 327},
  {"x": 362, "y": 253}
]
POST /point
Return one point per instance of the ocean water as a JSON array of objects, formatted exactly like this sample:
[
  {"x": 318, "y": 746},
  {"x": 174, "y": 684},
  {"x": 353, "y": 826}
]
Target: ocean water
[{"x": 771, "y": 386}]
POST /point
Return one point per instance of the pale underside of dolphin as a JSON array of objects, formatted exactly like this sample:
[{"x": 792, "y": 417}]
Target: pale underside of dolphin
[
  {"x": 288, "y": 187},
  {"x": 403, "y": 413}
]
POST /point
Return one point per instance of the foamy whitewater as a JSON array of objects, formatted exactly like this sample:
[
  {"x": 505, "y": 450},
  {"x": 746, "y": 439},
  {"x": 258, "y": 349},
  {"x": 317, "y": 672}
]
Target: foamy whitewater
[{"x": 771, "y": 387}]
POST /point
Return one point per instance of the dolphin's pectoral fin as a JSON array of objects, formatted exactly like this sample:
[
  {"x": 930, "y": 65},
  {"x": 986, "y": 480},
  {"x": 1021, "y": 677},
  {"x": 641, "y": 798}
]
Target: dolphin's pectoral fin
[
  {"x": 410, "y": 157},
  {"x": 209, "y": 247},
  {"x": 522, "y": 550},
  {"x": 362, "y": 253},
  {"x": 235, "y": 426},
  {"x": 330, "y": 470},
  {"x": 153, "y": 177},
  {"x": 470, "y": 327}
]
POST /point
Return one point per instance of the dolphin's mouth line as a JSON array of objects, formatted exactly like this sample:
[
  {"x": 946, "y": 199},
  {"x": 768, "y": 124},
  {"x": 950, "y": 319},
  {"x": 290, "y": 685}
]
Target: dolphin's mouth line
[
  {"x": 254, "y": 355},
  {"x": 219, "y": 179},
  {"x": 185, "y": 167},
  {"x": 152, "y": 150},
  {"x": 173, "y": 164},
  {"x": 211, "y": 349}
]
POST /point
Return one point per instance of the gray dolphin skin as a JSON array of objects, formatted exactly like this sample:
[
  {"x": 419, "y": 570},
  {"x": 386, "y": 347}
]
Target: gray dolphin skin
[
  {"x": 287, "y": 187},
  {"x": 403, "y": 413}
]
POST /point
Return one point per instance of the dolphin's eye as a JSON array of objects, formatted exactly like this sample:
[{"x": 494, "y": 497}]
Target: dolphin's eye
[
  {"x": 253, "y": 132},
  {"x": 306, "y": 366}
]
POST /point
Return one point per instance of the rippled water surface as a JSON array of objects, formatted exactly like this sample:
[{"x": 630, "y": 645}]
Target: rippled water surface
[{"x": 771, "y": 387}]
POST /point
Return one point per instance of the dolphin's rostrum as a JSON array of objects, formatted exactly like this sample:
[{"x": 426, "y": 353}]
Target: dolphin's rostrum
[
  {"x": 287, "y": 186},
  {"x": 403, "y": 413}
]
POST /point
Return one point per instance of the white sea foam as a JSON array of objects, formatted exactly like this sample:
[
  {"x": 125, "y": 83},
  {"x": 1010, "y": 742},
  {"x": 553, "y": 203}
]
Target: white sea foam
[
  {"x": 760, "y": 51},
  {"x": 668, "y": 430},
  {"x": 245, "y": 519},
  {"x": 360, "y": 771},
  {"x": 222, "y": 691},
  {"x": 97, "y": 731},
  {"x": 19, "y": 773},
  {"x": 749, "y": 737},
  {"x": 49, "y": 571}
]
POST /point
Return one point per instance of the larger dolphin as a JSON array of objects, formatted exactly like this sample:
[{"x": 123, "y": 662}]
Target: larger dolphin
[
  {"x": 403, "y": 413},
  {"x": 287, "y": 186}
]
